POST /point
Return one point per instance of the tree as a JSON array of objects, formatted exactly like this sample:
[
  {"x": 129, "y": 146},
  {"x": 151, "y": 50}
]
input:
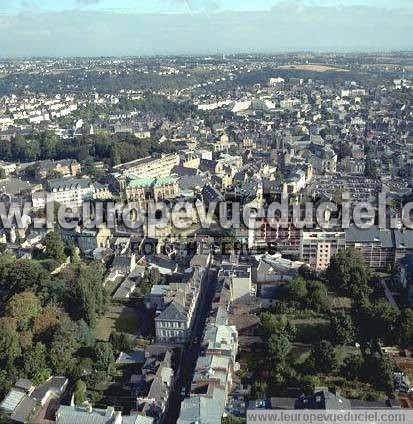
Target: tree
[
  {"x": 24, "y": 307},
  {"x": 318, "y": 299},
  {"x": 376, "y": 321},
  {"x": 80, "y": 393},
  {"x": 230, "y": 419},
  {"x": 89, "y": 294},
  {"x": 64, "y": 345},
  {"x": 342, "y": 328},
  {"x": 25, "y": 274},
  {"x": 279, "y": 347},
  {"x": 324, "y": 356},
  {"x": 45, "y": 324},
  {"x": 406, "y": 328},
  {"x": 35, "y": 364},
  {"x": 122, "y": 342},
  {"x": 9, "y": 341},
  {"x": 276, "y": 325},
  {"x": 6, "y": 263},
  {"x": 55, "y": 248},
  {"x": 150, "y": 278},
  {"x": 352, "y": 366},
  {"x": 104, "y": 355},
  {"x": 86, "y": 337},
  {"x": 297, "y": 290},
  {"x": 348, "y": 273},
  {"x": 259, "y": 390},
  {"x": 378, "y": 370}
]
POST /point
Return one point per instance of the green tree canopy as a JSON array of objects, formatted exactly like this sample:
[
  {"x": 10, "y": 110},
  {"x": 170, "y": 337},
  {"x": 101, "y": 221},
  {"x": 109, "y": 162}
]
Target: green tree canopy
[
  {"x": 55, "y": 248},
  {"x": 324, "y": 357},
  {"x": 24, "y": 307},
  {"x": 348, "y": 273}
]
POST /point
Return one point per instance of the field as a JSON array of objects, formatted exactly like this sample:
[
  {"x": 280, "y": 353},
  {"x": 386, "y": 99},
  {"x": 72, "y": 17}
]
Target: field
[{"x": 313, "y": 67}]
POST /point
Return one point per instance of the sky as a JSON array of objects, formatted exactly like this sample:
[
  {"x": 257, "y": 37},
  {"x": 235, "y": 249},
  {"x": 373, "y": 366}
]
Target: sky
[{"x": 149, "y": 27}]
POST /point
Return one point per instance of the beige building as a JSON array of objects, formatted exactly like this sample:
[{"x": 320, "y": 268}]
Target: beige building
[
  {"x": 149, "y": 167},
  {"x": 140, "y": 189},
  {"x": 317, "y": 247}
]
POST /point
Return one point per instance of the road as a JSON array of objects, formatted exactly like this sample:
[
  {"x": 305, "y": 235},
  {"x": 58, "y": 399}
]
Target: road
[{"x": 192, "y": 349}]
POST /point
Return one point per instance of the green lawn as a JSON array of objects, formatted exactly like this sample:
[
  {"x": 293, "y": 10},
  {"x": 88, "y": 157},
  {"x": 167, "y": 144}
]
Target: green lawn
[
  {"x": 127, "y": 321},
  {"x": 343, "y": 351},
  {"x": 299, "y": 352},
  {"x": 120, "y": 318},
  {"x": 311, "y": 330}
]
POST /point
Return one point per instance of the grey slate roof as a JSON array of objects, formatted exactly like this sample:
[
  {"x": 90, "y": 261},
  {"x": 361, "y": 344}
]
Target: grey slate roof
[
  {"x": 323, "y": 400},
  {"x": 173, "y": 312},
  {"x": 22, "y": 413},
  {"x": 373, "y": 234},
  {"x": 69, "y": 184}
]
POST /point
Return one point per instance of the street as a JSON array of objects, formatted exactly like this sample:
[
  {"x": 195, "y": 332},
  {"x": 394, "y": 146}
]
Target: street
[{"x": 192, "y": 349}]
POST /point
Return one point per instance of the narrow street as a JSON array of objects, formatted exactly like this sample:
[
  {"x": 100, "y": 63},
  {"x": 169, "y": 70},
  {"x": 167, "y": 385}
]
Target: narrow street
[{"x": 192, "y": 349}]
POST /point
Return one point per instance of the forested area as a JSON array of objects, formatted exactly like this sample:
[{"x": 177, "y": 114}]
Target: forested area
[
  {"x": 112, "y": 149},
  {"x": 314, "y": 338},
  {"x": 48, "y": 319}
]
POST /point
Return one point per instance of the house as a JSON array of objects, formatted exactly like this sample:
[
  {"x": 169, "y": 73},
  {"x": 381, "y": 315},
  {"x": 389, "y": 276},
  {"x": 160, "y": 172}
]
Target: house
[
  {"x": 165, "y": 265},
  {"x": 380, "y": 248},
  {"x": 89, "y": 240},
  {"x": 221, "y": 340},
  {"x": 86, "y": 415},
  {"x": 212, "y": 379},
  {"x": 123, "y": 264},
  {"x": 54, "y": 387},
  {"x": 174, "y": 322},
  {"x": 21, "y": 390},
  {"x": 153, "y": 387},
  {"x": 274, "y": 268},
  {"x": 139, "y": 189},
  {"x": 71, "y": 192},
  {"x": 63, "y": 167},
  {"x": 317, "y": 247},
  {"x": 149, "y": 167},
  {"x": 129, "y": 285},
  {"x": 24, "y": 399},
  {"x": 155, "y": 299},
  {"x": 200, "y": 410},
  {"x": 239, "y": 280},
  {"x": 322, "y": 399},
  {"x": 406, "y": 276}
]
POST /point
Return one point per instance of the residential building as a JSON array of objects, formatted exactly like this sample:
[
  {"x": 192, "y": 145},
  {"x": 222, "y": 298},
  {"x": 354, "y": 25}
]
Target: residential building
[
  {"x": 317, "y": 247},
  {"x": 150, "y": 167},
  {"x": 71, "y": 192},
  {"x": 174, "y": 323}
]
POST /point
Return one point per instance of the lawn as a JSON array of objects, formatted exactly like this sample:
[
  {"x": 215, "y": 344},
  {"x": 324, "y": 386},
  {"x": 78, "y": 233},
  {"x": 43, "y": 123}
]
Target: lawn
[
  {"x": 127, "y": 321},
  {"x": 118, "y": 318},
  {"x": 343, "y": 351},
  {"x": 299, "y": 352},
  {"x": 311, "y": 330},
  {"x": 340, "y": 302}
]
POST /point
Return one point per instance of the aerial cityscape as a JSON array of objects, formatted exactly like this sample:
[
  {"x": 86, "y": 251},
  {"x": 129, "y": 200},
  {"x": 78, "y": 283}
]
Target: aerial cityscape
[{"x": 205, "y": 231}]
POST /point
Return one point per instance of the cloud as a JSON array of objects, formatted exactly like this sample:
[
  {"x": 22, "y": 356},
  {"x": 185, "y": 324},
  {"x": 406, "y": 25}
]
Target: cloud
[
  {"x": 198, "y": 5},
  {"x": 87, "y": 2}
]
